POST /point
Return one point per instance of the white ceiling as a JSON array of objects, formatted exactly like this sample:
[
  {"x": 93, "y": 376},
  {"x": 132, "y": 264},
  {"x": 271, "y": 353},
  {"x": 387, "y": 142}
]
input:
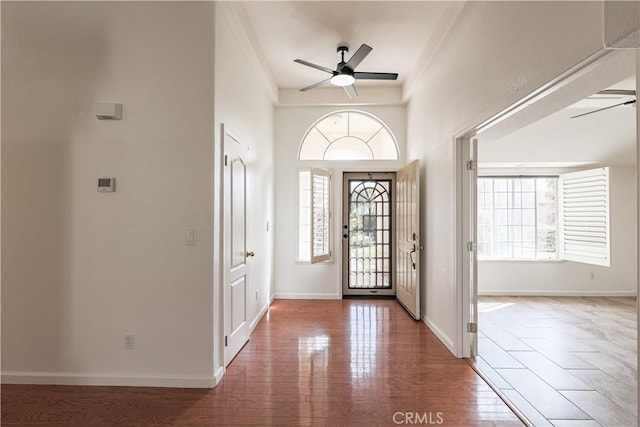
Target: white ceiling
[
  {"x": 403, "y": 35},
  {"x": 604, "y": 138},
  {"x": 311, "y": 30}
]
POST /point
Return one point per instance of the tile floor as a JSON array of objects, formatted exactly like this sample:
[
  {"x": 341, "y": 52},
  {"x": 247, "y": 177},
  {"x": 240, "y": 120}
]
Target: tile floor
[{"x": 562, "y": 361}]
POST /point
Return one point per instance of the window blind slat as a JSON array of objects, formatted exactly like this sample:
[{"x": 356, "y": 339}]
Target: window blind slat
[{"x": 585, "y": 216}]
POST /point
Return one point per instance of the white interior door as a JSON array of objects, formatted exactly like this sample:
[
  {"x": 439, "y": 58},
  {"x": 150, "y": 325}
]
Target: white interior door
[
  {"x": 408, "y": 238},
  {"x": 236, "y": 324}
]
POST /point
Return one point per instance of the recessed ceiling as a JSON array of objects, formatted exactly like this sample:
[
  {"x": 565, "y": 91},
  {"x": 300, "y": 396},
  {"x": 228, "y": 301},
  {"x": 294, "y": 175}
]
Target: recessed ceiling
[{"x": 311, "y": 30}]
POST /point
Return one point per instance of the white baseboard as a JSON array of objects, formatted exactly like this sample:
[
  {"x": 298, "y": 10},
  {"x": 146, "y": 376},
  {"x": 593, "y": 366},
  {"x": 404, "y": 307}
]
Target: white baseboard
[
  {"x": 448, "y": 342},
  {"x": 306, "y": 296},
  {"x": 557, "y": 293},
  {"x": 218, "y": 375},
  {"x": 257, "y": 319},
  {"x": 73, "y": 378}
]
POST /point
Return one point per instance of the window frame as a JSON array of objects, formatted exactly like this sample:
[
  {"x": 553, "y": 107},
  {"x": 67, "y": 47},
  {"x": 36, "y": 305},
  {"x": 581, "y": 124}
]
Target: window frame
[
  {"x": 308, "y": 242},
  {"x": 383, "y": 125},
  {"x": 558, "y": 254},
  {"x": 604, "y": 258}
]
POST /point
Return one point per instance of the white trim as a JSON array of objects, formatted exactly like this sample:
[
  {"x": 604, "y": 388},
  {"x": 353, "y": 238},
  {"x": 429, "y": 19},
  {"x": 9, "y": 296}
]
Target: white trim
[
  {"x": 219, "y": 374},
  {"x": 236, "y": 15},
  {"x": 289, "y": 295},
  {"x": 259, "y": 317},
  {"x": 554, "y": 293},
  {"x": 136, "y": 380},
  {"x": 444, "y": 338}
]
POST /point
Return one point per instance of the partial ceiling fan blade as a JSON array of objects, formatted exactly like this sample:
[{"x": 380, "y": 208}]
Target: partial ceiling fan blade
[
  {"x": 633, "y": 101},
  {"x": 316, "y": 66},
  {"x": 351, "y": 91},
  {"x": 624, "y": 92},
  {"x": 357, "y": 57},
  {"x": 304, "y": 89},
  {"x": 375, "y": 76}
]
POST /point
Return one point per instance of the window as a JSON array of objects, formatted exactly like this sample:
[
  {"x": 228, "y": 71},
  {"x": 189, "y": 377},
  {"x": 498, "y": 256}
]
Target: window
[
  {"x": 314, "y": 215},
  {"x": 348, "y": 135},
  {"x": 517, "y": 217},
  {"x": 528, "y": 218}
]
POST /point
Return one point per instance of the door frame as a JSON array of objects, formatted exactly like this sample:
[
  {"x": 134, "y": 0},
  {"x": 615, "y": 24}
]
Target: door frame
[{"x": 464, "y": 276}]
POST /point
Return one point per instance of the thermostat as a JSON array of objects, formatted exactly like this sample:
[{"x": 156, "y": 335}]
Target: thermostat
[{"x": 107, "y": 185}]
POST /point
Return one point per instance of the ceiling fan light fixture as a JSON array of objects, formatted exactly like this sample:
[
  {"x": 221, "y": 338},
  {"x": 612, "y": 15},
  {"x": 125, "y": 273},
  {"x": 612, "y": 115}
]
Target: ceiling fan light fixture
[{"x": 343, "y": 80}]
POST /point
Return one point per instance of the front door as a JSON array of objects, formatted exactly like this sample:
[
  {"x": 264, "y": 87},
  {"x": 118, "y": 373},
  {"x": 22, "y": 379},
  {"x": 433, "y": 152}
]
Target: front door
[
  {"x": 236, "y": 325},
  {"x": 368, "y": 230},
  {"x": 408, "y": 232}
]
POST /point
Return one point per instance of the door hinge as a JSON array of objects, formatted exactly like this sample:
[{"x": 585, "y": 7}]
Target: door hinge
[
  {"x": 471, "y": 165},
  {"x": 226, "y": 341},
  {"x": 472, "y": 328},
  {"x": 226, "y": 159},
  {"x": 471, "y": 246}
]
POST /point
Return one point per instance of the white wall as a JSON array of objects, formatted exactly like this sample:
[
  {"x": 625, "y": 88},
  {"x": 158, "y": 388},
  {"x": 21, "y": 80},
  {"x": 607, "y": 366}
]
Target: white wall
[
  {"x": 496, "y": 53},
  {"x": 302, "y": 280},
  {"x": 82, "y": 268},
  {"x": 244, "y": 103},
  {"x": 573, "y": 278}
]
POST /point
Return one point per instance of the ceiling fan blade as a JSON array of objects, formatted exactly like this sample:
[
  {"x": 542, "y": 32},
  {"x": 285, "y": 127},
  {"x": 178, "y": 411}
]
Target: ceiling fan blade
[
  {"x": 304, "y": 89},
  {"x": 316, "y": 66},
  {"x": 375, "y": 76},
  {"x": 628, "y": 92},
  {"x": 351, "y": 91},
  {"x": 633, "y": 101},
  {"x": 357, "y": 57}
]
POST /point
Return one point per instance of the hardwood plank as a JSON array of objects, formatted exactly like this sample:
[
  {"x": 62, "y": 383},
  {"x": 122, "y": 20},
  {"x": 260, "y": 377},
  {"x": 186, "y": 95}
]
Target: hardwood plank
[{"x": 320, "y": 363}]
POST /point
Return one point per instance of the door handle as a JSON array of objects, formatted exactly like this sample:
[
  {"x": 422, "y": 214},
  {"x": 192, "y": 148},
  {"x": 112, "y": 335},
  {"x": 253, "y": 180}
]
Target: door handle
[
  {"x": 250, "y": 254},
  {"x": 413, "y": 263}
]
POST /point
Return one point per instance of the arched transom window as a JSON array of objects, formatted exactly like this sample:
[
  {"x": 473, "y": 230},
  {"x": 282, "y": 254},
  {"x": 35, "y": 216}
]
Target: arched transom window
[{"x": 348, "y": 135}]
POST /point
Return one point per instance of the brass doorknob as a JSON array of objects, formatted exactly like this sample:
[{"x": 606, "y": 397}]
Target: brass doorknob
[{"x": 250, "y": 253}]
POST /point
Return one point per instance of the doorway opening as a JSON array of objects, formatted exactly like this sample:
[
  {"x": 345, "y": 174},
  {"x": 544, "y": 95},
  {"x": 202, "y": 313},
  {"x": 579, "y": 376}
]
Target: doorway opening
[
  {"x": 545, "y": 319},
  {"x": 368, "y": 234}
]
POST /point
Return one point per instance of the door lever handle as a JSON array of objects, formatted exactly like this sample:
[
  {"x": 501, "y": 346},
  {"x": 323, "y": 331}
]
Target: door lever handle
[
  {"x": 250, "y": 254},
  {"x": 413, "y": 263}
]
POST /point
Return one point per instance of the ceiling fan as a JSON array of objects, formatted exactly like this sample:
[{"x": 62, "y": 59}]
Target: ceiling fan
[
  {"x": 345, "y": 75},
  {"x": 620, "y": 92}
]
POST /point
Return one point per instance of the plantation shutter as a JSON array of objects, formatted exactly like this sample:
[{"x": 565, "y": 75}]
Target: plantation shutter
[
  {"x": 320, "y": 215},
  {"x": 585, "y": 216}
]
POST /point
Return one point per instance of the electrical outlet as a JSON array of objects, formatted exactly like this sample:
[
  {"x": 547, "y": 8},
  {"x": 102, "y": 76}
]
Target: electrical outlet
[
  {"x": 128, "y": 342},
  {"x": 593, "y": 276},
  {"x": 256, "y": 295}
]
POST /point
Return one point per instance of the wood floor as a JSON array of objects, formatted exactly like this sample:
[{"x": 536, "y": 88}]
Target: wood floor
[
  {"x": 562, "y": 361},
  {"x": 325, "y": 363}
]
